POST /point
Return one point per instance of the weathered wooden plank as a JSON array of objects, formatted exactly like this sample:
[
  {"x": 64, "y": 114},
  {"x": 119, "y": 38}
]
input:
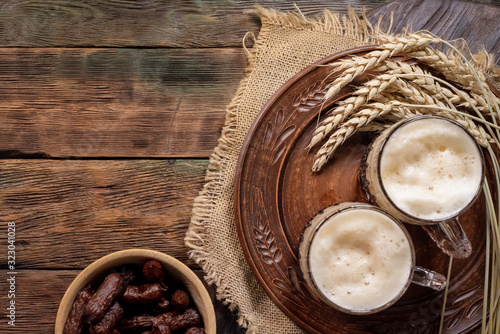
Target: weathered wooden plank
[
  {"x": 115, "y": 102},
  {"x": 70, "y": 212},
  {"x": 478, "y": 24},
  {"x": 64, "y": 102},
  {"x": 37, "y": 297},
  {"x": 165, "y": 23}
]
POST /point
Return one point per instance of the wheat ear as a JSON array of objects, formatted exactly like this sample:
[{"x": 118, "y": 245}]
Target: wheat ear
[
  {"x": 358, "y": 120},
  {"x": 390, "y": 47},
  {"x": 408, "y": 43},
  {"x": 375, "y": 127},
  {"x": 430, "y": 96},
  {"x": 426, "y": 81},
  {"x": 455, "y": 70},
  {"x": 347, "y": 107},
  {"x": 451, "y": 66},
  {"x": 414, "y": 94}
]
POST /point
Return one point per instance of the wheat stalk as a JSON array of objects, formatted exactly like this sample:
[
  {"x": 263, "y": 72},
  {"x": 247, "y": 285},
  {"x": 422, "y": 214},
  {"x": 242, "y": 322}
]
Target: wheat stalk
[
  {"x": 427, "y": 82},
  {"x": 452, "y": 66},
  {"x": 391, "y": 46},
  {"x": 382, "y": 82},
  {"x": 414, "y": 95},
  {"x": 419, "y": 96},
  {"x": 416, "y": 45},
  {"x": 455, "y": 70},
  {"x": 358, "y": 120},
  {"x": 347, "y": 107}
]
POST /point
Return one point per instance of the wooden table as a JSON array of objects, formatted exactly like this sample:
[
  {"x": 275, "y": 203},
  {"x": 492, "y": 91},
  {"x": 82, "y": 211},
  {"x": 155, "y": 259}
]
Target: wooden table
[{"x": 109, "y": 111}]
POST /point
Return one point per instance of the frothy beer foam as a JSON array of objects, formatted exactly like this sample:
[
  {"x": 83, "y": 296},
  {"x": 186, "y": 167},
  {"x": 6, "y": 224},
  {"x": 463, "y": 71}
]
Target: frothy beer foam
[
  {"x": 360, "y": 259},
  {"x": 431, "y": 169}
]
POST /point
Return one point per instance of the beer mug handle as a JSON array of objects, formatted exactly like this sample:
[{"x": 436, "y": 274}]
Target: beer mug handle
[
  {"x": 451, "y": 238},
  {"x": 428, "y": 278}
]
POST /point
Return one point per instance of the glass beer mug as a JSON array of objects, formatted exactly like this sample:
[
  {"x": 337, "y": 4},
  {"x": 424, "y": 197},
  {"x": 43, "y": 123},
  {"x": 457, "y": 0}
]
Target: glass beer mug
[
  {"x": 360, "y": 260},
  {"x": 426, "y": 170}
]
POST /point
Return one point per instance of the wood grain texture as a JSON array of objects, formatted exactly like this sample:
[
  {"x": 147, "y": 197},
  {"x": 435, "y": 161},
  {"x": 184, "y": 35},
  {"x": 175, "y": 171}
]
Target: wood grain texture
[
  {"x": 69, "y": 213},
  {"x": 38, "y": 293},
  {"x": 115, "y": 102},
  {"x": 478, "y": 24},
  {"x": 129, "y": 102},
  {"x": 164, "y": 23}
]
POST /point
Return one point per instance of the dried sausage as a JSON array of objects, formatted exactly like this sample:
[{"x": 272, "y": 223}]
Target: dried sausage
[
  {"x": 195, "y": 330},
  {"x": 153, "y": 271},
  {"x": 139, "y": 322},
  {"x": 143, "y": 294},
  {"x": 161, "y": 327},
  {"x": 162, "y": 306},
  {"x": 104, "y": 297},
  {"x": 180, "y": 300},
  {"x": 109, "y": 320},
  {"x": 75, "y": 322},
  {"x": 190, "y": 318}
]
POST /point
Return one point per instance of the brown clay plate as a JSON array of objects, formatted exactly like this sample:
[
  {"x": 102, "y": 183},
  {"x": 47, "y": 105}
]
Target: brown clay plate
[{"x": 276, "y": 195}]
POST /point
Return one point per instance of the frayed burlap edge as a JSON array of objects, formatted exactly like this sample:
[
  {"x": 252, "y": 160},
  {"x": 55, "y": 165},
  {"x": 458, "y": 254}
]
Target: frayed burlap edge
[{"x": 350, "y": 26}]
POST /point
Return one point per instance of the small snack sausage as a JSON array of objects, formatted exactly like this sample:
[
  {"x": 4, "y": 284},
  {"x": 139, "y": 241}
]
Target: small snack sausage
[
  {"x": 162, "y": 306},
  {"x": 108, "y": 321},
  {"x": 143, "y": 294},
  {"x": 176, "y": 321},
  {"x": 153, "y": 271},
  {"x": 161, "y": 327},
  {"x": 167, "y": 318},
  {"x": 191, "y": 317},
  {"x": 139, "y": 322},
  {"x": 180, "y": 300},
  {"x": 195, "y": 330},
  {"x": 104, "y": 297},
  {"x": 75, "y": 322}
]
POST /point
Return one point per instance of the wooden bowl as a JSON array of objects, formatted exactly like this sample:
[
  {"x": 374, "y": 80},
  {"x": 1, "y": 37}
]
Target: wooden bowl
[{"x": 96, "y": 271}]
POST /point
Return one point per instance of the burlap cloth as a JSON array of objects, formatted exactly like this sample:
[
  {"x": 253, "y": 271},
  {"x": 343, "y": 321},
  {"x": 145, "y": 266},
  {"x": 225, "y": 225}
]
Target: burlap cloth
[{"x": 286, "y": 44}]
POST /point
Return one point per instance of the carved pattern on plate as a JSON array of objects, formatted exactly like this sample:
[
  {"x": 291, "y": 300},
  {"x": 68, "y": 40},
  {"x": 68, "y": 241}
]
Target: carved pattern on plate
[
  {"x": 279, "y": 130},
  {"x": 309, "y": 98},
  {"x": 415, "y": 326},
  {"x": 276, "y": 134},
  {"x": 422, "y": 321},
  {"x": 263, "y": 236},
  {"x": 466, "y": 304},
  {"x": 291, "y": 287}
]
